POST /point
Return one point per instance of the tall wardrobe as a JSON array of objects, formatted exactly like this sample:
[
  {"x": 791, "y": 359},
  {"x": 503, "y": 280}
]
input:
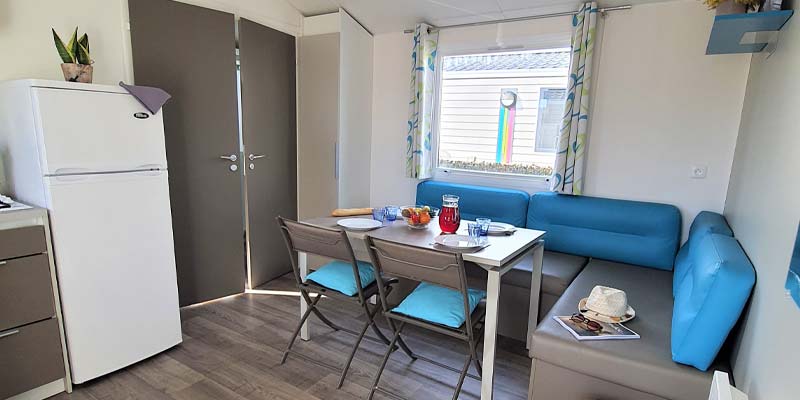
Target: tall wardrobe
[
  {"x": 335, "y": 114},
  {"x": 231, "y": 136}
]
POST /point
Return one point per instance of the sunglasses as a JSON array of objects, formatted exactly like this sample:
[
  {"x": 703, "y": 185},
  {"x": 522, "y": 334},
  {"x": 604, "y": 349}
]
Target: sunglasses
[{"x": 592, "y": 326}]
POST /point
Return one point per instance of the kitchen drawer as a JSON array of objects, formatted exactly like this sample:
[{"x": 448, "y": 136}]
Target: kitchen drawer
[
  {"x": 26, "y": 292},
  {"x": 31, "y": 357},
  {"x": 20, "y": 242}
]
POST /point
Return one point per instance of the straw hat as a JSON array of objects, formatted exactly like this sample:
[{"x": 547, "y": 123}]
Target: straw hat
[{"x": 606, "y": 304}]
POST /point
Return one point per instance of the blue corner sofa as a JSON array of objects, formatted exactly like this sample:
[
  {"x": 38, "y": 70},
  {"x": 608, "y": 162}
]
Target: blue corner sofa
[{"x": 687, "y": 298}]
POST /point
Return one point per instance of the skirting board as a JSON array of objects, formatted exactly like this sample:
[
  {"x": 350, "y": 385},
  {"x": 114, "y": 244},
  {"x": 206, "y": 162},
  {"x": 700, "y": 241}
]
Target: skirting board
[{"x": 42, "y": 392}]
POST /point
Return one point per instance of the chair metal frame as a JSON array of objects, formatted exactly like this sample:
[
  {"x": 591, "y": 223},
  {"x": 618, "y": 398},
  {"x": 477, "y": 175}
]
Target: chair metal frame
[
  {"x": 436, "y": 267},
  {"x": 332, "y": 243}
]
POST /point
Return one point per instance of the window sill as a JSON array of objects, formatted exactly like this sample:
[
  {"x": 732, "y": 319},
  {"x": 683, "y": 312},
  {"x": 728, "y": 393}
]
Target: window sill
[{"x": 530, "y": 184}]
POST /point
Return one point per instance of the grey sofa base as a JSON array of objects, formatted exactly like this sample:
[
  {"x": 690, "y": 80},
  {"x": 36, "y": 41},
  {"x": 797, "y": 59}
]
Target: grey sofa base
[
  {"x": 551, "y": 382},
  {"x": 514, "y": 307},
  {"x": 558, "y": 269},
  {"x": 645, "y": 364}
]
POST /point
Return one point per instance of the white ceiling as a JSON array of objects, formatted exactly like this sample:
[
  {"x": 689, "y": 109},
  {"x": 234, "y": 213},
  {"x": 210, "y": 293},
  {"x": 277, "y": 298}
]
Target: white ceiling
[{"x": 381, "y": 16}]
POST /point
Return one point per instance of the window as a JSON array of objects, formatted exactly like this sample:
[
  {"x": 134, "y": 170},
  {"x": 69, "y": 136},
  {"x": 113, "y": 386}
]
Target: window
[
  {"x": 548, "y": 118},
  {"x": 500, "y": 112}
]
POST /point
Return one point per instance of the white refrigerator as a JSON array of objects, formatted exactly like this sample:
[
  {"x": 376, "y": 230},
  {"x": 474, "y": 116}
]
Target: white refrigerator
[{"x": 95, "y": 158}]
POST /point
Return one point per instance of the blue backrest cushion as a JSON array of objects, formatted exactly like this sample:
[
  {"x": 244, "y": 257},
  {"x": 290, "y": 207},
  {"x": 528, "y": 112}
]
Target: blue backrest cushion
[
  {"x": 704, "y": 224},
  {"x": 633, "y": 232},
  {"x": 501, "y": 205},
  {"x": 710, "y": 300}
]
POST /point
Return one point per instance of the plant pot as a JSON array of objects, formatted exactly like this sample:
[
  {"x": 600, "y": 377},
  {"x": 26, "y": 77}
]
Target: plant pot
[
  {"x": 77, "y": 72},
  {"x": 731, "y": 7}
]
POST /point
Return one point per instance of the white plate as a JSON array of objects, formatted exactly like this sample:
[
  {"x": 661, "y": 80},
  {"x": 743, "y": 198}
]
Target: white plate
[
  {"x": 500, "y": 228},
  {"x": 458, "y": 241},
  {"x": 359, "y": 224}
]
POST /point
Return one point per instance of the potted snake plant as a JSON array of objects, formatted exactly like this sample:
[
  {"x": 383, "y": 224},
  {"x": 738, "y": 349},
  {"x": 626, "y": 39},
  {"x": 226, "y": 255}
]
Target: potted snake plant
[
  {"x": 732, "y": 6},
  {"x": 77, "y": 64}
]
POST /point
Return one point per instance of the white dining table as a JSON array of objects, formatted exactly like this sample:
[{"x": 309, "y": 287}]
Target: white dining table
[{"x": 502, "y": 254}]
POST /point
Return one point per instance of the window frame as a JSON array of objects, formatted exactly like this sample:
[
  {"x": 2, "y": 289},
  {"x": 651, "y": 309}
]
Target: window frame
[{"x": 527, "y": 183}]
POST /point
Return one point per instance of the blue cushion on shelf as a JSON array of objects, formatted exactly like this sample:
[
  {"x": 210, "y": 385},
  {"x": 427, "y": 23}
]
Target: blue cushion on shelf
[
  {"x": 710, "y": 300},
  {"x": 438, "y": 304},
  {"x": 705, "y": 223},
  {"x": 338, "y": 275},
  {"x": 501, "y": 205},
  {"x": 632, "y": 232}
]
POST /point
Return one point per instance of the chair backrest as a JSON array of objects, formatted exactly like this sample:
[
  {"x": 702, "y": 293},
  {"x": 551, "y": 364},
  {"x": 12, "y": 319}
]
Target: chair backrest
[
  {"x": 418, "y": 264},
  {"x": 326, "y": 242},
  {"x": 421, "y": 265}
]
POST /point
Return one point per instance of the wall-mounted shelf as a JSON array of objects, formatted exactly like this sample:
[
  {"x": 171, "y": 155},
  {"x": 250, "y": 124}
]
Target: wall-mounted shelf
[{"x": 728, "y": 30}]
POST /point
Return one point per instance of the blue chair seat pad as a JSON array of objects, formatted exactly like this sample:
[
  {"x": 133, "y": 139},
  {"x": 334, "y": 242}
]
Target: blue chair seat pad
[
  {"x": 439, "y": 305},
  {"x": 338, "y": 275}
]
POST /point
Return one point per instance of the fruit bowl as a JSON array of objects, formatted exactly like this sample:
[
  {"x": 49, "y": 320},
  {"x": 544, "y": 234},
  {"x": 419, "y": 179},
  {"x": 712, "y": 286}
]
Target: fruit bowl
[{"x": 418, "y": 217}]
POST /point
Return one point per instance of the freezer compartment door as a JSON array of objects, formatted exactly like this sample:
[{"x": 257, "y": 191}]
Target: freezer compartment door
[
  {"x": 96, "y": 131},
  {"x": 112, "y": 237}
]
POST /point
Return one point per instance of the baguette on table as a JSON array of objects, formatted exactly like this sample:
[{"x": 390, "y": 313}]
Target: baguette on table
[{"x": 351, "y": 212}]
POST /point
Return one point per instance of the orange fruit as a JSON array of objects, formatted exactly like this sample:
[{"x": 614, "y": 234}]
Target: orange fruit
[{"x": 424, "y": 218}]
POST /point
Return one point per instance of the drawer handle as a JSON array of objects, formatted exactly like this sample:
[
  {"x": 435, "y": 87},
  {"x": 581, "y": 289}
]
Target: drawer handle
[
  {"x": 9, "y": 333},
  {"x": 3, "y": 263}
]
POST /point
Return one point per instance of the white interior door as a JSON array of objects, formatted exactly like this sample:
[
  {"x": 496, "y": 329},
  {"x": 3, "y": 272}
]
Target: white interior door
[
  {"x": 112, "y": 236},
  {"x": 84, "y": 131}
]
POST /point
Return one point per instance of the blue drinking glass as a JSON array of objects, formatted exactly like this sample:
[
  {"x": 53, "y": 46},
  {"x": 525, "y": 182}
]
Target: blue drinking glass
[
  {"x": 474, "y": 230},
  {"x": 484, "y": 224},
  {"x": 378, "y": 214},
  {"x": 391, "y": 212}
]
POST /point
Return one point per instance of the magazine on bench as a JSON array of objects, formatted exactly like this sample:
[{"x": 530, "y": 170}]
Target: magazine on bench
[{"x": 607, "y": 331}]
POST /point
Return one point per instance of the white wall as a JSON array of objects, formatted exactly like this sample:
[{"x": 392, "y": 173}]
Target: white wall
[
  {"x": 391, "y": 78},
  {"x": 27, "y": 42},
  {"x": 660, "y": 106},
  {"x": 762, "y": 207}
]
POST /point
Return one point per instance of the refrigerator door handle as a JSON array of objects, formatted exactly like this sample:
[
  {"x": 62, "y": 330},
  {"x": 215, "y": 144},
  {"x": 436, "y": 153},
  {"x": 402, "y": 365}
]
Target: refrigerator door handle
[{"x": 72, "y": 171}]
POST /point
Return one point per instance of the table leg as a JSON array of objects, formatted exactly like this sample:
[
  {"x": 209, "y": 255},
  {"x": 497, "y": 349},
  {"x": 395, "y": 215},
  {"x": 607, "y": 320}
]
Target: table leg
[
  {"x": 536, "y": 285},
  {"x": 302, "y": 261},
  {"x": 490, "y": 334}
]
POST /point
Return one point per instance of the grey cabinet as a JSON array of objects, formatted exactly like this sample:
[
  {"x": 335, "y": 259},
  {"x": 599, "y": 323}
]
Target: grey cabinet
[{"x": 34, "y": 361}]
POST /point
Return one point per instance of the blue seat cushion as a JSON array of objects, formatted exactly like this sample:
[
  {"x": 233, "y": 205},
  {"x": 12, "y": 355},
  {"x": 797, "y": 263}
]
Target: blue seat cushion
[
  {"x": 338, "y": 275},
  {"x": 631, "y": 232},
  {"x": 710, "y": 300},
  {"x": 705, "y": 223},
  {"x": 501, "y": 205},
  {"x": 438, "y": 304}
]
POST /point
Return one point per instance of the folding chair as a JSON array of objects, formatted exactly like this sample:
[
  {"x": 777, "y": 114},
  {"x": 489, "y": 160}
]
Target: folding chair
[
  {"x": 428, "y": 305},
  {"x": 333, "y": 243}
]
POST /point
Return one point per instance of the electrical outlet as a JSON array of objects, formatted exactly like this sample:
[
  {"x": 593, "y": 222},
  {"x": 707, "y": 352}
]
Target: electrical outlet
[{"x": 699, "y": 172}]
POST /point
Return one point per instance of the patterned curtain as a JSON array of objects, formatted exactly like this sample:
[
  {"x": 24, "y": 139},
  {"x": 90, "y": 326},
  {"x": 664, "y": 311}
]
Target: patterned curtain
[
  {"x": 419, "y": 157},
  {"x": 568, "y": 174}
]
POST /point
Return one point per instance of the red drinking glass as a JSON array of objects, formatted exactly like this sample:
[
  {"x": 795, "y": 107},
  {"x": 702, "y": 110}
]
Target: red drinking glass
[{"x": 449, "y": 217}]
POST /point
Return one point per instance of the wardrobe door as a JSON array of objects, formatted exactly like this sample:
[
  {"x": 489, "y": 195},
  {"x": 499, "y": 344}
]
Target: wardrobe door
[
  {"x": 318, "y": 136},
  {"x": 189, "y": 51},
  {"x": 267, "y": 66}
]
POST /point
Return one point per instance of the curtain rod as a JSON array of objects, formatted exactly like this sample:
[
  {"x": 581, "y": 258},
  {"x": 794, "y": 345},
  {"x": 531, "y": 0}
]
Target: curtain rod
[{"x": 541, "y": 16}]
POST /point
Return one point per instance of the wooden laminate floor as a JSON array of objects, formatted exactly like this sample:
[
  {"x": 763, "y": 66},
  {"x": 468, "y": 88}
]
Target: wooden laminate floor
[{"x": 232, "y": 349}]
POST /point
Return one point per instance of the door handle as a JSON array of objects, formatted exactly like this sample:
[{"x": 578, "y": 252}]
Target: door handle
[
  {"x": 231, "y": 158},
  {"x": 256, "y": 156}
]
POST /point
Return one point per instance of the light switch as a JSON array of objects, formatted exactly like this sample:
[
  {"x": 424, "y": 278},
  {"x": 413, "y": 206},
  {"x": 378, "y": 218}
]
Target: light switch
[{"x": 699, "y": 172}]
